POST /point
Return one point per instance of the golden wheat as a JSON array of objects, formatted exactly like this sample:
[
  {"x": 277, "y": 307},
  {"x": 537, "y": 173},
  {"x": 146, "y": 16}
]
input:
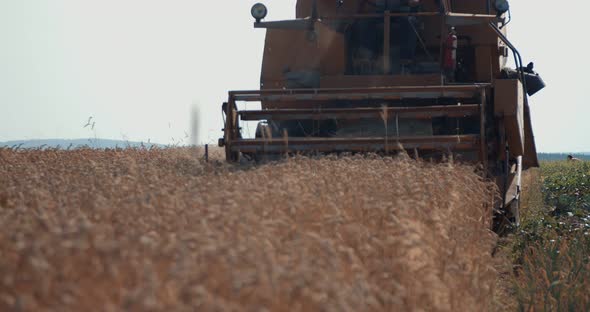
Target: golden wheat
[{"x": 162, "y": 230}]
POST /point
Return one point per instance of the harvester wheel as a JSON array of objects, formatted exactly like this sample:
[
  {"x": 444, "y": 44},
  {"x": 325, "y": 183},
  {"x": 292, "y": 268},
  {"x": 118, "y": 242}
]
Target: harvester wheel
[
  {"x": 231, "y": 156},
  {"x": 261, "y": 130},
  {"x": 265, "y": 131}
]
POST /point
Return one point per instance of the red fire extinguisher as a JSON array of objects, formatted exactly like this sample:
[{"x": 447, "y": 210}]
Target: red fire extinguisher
[{"x": 451, "y": 45}]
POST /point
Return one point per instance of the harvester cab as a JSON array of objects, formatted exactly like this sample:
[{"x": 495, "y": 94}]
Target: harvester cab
[{"x": 427, "y": 77}]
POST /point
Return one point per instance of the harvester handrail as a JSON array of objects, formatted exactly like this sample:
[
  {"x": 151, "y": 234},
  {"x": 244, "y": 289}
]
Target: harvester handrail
[
  {"x": 356, "y": 144},
  {"x": 464, "y": 91},
  {"x": 403, "y": 14},
  {"x": 378, "y": 15},
  {"x": 463, "y": 87},
  {"x": 422, "y": 112},
  {"x": 393, "y": 93}
]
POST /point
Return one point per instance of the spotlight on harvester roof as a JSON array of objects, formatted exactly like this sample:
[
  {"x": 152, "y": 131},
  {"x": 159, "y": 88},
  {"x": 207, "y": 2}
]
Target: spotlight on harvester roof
[
  {"x": 259, "y": 12},
  {"x": 502, "y": 6}
]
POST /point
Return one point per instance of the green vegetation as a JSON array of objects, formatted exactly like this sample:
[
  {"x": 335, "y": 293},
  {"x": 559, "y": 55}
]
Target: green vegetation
[
  {"x": 552, "y": 249},
  {"x": 567, "y": 187}
]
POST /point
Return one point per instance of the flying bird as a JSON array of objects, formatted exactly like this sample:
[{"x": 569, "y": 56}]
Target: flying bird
[{"x": 88, "y": 122}]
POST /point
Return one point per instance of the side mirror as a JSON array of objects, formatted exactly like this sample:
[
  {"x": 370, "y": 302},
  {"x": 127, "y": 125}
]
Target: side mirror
[
  {"x": 259, "y": 12},
  {"x": 502, "y": 6}
]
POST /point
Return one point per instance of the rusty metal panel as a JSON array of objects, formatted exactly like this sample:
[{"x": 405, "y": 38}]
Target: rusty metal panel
[
  {"x": 326, "y": 7},
  {"x": 509, "y": 97},
  {"x": 291, "y": 50},
  {"x": 483, "y": 63},
  {"x": 509, "y": 104},
  {"x": 273, "y": 84}
]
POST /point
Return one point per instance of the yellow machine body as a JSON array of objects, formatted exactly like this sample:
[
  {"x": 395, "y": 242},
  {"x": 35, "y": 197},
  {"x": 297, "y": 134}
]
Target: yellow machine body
[{"x": 374, "y": 76}]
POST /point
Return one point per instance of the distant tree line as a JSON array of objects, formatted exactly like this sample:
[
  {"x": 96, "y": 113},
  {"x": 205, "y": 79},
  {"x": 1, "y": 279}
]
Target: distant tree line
[{"x": 561, "y": 156}]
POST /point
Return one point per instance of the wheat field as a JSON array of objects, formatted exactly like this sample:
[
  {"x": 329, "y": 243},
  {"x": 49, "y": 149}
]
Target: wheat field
[{"x": 161, "y": 230}]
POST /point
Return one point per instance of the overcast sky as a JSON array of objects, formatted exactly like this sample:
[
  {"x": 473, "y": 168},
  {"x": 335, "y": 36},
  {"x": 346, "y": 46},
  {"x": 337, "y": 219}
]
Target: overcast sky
[{"x": 138, "y": 66}]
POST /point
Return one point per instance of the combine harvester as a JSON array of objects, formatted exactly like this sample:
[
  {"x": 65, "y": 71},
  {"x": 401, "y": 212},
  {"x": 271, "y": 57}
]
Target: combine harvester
[{"x": 425, "y": 76}]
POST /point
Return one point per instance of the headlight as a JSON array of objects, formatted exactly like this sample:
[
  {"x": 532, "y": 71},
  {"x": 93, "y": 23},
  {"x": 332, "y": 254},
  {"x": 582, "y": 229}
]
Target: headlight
[
  {"x": 259, "y": 11},
  {"x": 502, "y": 6}
]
